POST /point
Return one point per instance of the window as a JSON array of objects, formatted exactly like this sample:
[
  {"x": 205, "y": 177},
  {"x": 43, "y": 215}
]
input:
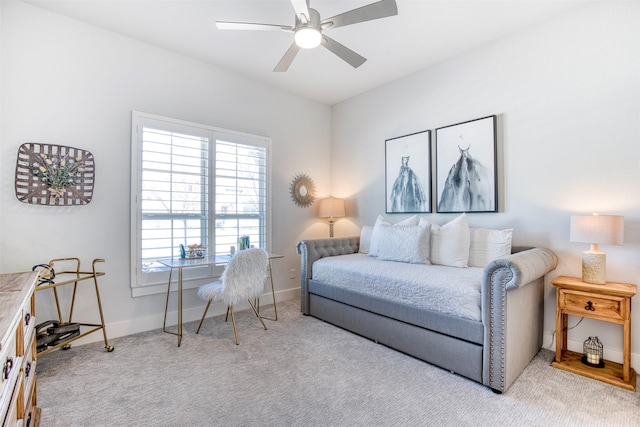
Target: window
[{"x": 193, "y": 184}]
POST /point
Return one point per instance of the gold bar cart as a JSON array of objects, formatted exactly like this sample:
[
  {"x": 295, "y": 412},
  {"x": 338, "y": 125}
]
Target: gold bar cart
[{"x": 74, "y": 275}]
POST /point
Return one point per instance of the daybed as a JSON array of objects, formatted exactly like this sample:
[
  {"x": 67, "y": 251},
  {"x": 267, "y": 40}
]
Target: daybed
[{"x": 490, "y": 343}]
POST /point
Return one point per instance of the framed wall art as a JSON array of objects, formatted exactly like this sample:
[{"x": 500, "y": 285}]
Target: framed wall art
[
  {"x": 466, "y": 172},
  {"x": 408, "y": 173}
]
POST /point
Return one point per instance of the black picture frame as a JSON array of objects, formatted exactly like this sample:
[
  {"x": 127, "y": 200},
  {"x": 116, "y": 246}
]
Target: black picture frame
[
  {"x": 466, "y": 167},
  {"x": 408, "y": 173}
]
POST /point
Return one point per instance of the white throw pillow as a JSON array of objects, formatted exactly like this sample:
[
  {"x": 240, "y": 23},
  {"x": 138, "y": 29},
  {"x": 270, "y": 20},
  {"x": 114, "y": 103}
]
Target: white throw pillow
[
  {"x": 450, "y": 243},
  {"x": 487, "y": 245},
  {"x": 365, "y": 238},
  {"x": 373, "y": 248},
  {"x": 404, "y": 243}
]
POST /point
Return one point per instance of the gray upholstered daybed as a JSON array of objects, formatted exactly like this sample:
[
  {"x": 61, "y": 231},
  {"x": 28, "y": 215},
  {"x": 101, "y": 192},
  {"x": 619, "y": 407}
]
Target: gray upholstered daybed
[{"x": 492, "y": 349}]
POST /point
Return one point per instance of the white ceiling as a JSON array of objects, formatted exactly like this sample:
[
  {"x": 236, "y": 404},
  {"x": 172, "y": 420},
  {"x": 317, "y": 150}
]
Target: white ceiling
[{"x": 423, "y": 33}]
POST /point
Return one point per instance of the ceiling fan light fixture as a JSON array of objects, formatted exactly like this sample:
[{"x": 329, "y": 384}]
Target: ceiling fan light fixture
[{"x": 307, "y": 37}]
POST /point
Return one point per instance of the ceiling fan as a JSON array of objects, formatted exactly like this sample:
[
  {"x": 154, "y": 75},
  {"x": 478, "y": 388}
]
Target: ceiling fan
[{"x": 309, "y": 29}]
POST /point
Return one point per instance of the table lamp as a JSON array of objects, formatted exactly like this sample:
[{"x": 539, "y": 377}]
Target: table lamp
[
  {"x": 596, "y": 229},
  {"x": 331, "y": 208}
]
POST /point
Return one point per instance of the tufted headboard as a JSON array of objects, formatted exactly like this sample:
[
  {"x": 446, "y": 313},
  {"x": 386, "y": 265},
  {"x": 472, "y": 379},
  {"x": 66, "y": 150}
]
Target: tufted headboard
[{"x": 312, "y": 250}]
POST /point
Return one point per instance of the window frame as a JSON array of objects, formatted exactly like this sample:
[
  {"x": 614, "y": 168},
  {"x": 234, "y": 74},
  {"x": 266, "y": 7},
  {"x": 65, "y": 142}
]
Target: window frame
[{"x": 156, "y": 281}]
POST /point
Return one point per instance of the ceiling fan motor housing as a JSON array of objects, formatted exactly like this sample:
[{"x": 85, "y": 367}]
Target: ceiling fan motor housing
[{"x": 308, "y": 34}]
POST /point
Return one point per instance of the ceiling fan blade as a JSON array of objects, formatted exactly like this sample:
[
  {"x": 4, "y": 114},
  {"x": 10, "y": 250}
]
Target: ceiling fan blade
[
  {"x": 302, "y": 9},
  {"x": 287, "y": 59},
  {"x": 380, "y": 9},
  {"x": 223, "y": 25},
  {"x": 343, "y": 52}
]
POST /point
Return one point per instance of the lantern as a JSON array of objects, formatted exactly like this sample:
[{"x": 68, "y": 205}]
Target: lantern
[{"x": 593, "y": 355}]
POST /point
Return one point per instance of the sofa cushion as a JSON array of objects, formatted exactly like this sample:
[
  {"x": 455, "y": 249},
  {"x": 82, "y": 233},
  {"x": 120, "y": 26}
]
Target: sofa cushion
[
  {"x": 373, "y": 249},
  {"x": 451, "y": 290},
  {"x": 451, "y": 242},
  {"x": 487, "y": 245},
  {"x": 404, "y": 243},
  {"x": 365, "y": 239}
]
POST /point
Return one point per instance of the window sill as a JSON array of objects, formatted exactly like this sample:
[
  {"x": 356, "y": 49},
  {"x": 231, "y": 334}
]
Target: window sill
[{"x": 161, "y": 288}]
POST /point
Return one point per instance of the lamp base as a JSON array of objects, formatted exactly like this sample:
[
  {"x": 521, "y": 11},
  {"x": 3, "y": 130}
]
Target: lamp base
[{"x": 594, "y": 267}]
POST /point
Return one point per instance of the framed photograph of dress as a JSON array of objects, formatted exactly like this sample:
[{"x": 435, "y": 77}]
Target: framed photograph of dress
[
  {"x": 408, "y": 173},
  {"x": 466, "y": 172}
]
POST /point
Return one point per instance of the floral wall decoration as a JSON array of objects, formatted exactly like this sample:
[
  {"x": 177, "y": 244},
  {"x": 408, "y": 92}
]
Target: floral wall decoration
[{"x": 56, "y": 175}]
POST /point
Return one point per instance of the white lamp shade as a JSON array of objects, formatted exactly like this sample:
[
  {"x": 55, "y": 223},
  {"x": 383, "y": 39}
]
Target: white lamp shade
[
  {"x": 331, "y": 208},
  {"x": 307, "y": 37},
  {"x": 600, "y": 229}
]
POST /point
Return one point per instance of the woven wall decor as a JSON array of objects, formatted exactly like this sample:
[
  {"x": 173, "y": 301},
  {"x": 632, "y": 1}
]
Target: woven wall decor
[{"x": 56, "y": 175}]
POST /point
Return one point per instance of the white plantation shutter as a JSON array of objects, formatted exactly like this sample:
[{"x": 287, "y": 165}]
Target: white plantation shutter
[
  {"x": 193, "y": 184},
  {"x": 240, "y": 183},
  {"x": 174, "y": 192}
]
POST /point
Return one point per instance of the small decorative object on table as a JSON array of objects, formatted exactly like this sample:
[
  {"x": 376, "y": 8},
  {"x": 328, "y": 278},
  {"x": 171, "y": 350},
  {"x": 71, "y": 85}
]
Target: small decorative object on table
[
  {"x": 196, "y": 250},
  {"x": 243, "y": 243},
  {"x": 48, "y": 174},
  {"x": 593, "y": 354},
  {"x": 193, "y": 251}
]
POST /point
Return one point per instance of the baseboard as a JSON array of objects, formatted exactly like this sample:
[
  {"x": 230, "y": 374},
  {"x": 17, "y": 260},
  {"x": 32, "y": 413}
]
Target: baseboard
[
  {"x": 612, "y": 354},
  {"x": 148, "y": 323}
]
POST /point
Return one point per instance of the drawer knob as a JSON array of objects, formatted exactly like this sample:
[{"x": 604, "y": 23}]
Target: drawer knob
[
  {"x": 589, "y": 306},
  {"x": 27, "y": 369},
  {"x": 6, "y": 369},
  {"x": 27, "y": 319}
]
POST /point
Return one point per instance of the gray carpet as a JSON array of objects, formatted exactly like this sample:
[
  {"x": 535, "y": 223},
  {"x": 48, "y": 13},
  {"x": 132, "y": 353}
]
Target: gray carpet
[{"x": 300, "y": 372}]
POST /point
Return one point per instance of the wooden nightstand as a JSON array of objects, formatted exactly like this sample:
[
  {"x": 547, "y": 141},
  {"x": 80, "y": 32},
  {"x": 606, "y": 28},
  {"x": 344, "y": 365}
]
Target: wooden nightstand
[{"x": 610, "y": 302}]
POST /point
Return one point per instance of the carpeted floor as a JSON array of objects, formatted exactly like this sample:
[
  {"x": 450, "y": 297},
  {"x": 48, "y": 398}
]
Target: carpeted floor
[{"x": 300, "y": 372}]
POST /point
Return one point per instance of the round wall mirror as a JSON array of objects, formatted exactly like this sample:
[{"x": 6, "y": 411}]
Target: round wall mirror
[{"x": 303, "y": 190}]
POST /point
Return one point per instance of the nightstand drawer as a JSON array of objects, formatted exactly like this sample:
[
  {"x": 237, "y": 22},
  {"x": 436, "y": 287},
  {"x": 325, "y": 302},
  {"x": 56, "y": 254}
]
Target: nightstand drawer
[{"x": 589, "y": 305}]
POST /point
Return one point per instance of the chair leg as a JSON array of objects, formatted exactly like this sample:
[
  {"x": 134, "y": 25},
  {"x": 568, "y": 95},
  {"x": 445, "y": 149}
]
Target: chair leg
[
  {"x": 227, "y": 315},
  {"x": 258, "y": 315},
  {"x": 203, "y": 315},
  {"x": 233, "y": 320}
]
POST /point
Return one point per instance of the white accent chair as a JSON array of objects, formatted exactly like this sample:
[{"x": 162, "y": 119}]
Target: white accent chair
[{"x": 243, "y": 277}]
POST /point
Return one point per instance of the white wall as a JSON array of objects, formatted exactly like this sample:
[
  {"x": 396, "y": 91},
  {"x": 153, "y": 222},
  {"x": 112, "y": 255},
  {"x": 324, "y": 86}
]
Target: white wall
[
  {"x": 567, "y": 94},
  {"x": 68, "y": 83}
]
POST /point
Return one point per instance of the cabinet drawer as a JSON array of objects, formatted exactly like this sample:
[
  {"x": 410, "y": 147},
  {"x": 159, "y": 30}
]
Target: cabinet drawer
[
  {"x": 10, "y": 365},
  {"x": 29, "y": 375},
  {"x": 29, "y": 417},
  {"x": 28, "y": 324},
  {"x": 12, "y": 415},
  {"x": 589, "y": 305}
]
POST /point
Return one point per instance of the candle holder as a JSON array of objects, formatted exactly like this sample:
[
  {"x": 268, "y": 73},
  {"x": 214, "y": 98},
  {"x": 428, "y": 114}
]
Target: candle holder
[{"x": 593, "y": 354}]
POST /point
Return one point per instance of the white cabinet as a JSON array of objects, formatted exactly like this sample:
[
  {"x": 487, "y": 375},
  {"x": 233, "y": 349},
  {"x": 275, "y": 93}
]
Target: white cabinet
[{"x": 17, "y": 350}]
